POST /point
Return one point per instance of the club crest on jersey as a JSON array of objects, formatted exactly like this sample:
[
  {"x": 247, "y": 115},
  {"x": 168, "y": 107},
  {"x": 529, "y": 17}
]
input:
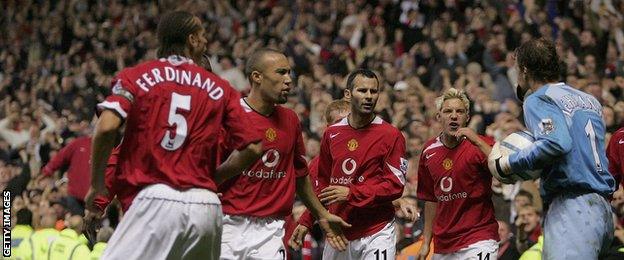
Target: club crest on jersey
[
  {"x": 352, "y": 145},
  {"x": 447, "y": 164},
  {"x": 546, "y": 126},
  {"x": 270, "y": 134}
]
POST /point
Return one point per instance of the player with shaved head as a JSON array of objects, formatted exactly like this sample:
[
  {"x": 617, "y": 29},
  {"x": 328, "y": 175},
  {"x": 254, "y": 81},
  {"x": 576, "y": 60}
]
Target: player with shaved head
[{"x": 257, "y": 201}]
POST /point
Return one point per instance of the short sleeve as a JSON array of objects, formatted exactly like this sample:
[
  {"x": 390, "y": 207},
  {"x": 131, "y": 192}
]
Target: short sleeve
[{"x": 122, "y": 97}]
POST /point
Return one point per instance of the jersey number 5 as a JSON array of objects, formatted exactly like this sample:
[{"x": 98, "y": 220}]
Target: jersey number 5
[{"x": 177, "y": 102}]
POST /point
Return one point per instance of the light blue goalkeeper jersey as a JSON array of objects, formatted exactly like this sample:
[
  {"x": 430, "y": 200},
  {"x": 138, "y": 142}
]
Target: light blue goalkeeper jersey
[{"x": 569, "y": 142}]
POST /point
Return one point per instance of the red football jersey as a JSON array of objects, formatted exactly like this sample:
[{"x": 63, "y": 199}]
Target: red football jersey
[
  {"x": 615, "y": 154},
  {"x": 173, "y": 110},
  {"x": 459, "y": 181},
  {"x": 267, "y": 188},
  {"x": 77, "y": 157},
  {"x": 370, "y": 161},
  {"x": 116, "y": 187}
]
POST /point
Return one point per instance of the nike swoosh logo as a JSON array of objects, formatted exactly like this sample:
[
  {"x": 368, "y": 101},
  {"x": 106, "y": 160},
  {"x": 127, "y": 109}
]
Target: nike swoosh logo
[
  {"x": 333, "y": 135},
  {"x": 427, "y": 156},
  {"x": 621, "y": 141}
]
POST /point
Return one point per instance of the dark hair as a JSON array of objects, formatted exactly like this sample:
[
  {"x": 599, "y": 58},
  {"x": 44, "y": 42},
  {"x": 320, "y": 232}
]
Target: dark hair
[
  {"x": 173, "y": 31},
  {"x": 254, "y": 61},
  {"x": 539, "y": 57},
  {"x": 365, "y": 73},
  {"x": 24, "y": 217}
]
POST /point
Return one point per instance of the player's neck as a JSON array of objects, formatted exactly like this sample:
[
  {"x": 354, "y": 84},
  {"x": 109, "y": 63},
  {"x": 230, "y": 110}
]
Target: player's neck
[
  {"x": 258, "y": 104},
  {"x": 536, "y": 85},
  {"x": 449, "y": 141},
  {"x": 359, "y": 120}
]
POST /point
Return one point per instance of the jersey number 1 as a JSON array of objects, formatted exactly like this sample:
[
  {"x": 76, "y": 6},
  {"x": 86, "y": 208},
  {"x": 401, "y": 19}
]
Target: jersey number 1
[
  {"x": 177, "y": 102},
  {"x": 591, "y": 134}
]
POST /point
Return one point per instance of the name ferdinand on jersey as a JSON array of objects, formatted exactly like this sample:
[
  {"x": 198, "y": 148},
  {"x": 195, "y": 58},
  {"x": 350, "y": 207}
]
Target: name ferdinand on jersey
[{"x": 182, "y": 77}]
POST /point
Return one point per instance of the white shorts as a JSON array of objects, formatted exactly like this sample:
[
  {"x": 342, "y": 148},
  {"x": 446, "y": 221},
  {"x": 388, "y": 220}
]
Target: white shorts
[
  {"x": 379, "y": 246},
  {"x": 164, "y": 223},
  {"x": 252, "y": 238},
  {"x": 482, "y": 250}
]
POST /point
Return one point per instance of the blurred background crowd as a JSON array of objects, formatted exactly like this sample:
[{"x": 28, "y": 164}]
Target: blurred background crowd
[{"x": 57, "y": 59}]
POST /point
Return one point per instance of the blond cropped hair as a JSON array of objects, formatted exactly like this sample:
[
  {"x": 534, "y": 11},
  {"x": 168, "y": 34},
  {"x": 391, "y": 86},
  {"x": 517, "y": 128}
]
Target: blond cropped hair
[{"x": 452, "y": 93}]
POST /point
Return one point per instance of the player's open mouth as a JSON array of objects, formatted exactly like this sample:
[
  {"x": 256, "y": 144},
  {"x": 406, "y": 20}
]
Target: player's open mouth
[
  {"x": 367, "y": 106},
  {"x": 454, "y": 125}
]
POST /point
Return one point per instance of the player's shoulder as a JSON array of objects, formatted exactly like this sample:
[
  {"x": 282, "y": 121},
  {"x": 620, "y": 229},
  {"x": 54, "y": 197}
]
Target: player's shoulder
[
  {"x": 246, "y": 107},
  {"x": 284, "y": 112},
  {"x": 388, "y": 129},
  {"x": 618, "y": 134},
  {"x": 432, "y": 144},
  {"x": 339, "y": 125}
]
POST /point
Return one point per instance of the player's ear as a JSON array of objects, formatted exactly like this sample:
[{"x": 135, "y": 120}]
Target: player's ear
[
  {"x": 256, "y": 77},
  {"x": 192, "y": 40},
  {"x": 347, "y": 94}
]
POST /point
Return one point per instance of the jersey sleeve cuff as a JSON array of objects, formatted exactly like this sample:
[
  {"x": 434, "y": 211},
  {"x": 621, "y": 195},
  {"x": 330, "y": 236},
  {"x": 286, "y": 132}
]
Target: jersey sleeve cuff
[{"x": 113, "y": 106}]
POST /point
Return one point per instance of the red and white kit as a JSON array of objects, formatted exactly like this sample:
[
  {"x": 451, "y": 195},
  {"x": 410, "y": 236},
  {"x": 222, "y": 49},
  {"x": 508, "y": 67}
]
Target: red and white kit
[
  {"x": 370, "y": 161},
  {"x": 459, "y": 181},
  {"x": 256, "y": 202},
  {"x": 173, "y": 111}
]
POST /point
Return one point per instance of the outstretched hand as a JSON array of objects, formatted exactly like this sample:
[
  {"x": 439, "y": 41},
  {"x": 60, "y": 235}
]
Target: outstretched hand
[{"x": 332, "y": 226}]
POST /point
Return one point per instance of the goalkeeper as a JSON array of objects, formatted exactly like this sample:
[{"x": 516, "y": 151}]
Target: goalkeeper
[{"x": 569, "y": 146}]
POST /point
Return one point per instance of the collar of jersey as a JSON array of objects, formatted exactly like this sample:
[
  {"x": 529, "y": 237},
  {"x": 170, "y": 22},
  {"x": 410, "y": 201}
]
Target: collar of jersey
[
  {"x": 177, "y": 60},
  {"x": 256, "y": 111},
  {"x": 375, "y": 121}
]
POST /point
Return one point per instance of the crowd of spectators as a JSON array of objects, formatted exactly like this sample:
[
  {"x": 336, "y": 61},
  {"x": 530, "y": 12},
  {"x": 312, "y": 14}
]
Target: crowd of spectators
[{"x": 57, "y": 59}]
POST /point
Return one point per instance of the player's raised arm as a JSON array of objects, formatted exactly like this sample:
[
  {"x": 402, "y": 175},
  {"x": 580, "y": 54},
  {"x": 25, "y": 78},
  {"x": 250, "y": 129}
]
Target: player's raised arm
[{"x": 474, "y": 138}]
